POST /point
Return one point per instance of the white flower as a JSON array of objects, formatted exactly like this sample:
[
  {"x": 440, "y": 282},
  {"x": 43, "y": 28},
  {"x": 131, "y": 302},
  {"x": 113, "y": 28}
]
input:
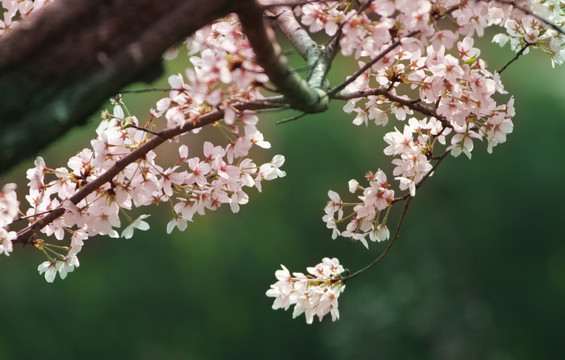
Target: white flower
[
  {"x": 66, "y": 266},
  {"x": 136, "y": 224},
  {"x": 6, "y": 238},
  {"x": 50, "y": 269},
  {"x": 9, "y": 205},
  {"x": 353, "y": 185}
]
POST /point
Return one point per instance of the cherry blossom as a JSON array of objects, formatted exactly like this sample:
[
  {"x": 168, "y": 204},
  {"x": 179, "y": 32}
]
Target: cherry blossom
[
  {"x": 136, "y": 224},
  {"x": 49, "y": 270},
  {"x": 312, "y": 295}
]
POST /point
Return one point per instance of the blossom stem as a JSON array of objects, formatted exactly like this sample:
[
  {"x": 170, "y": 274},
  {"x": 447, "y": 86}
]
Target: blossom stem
[
  {"x": 339, "y": 221},
  {"x": 56, "y": 246},
  {"x": 142, "y": 129},
  {"x": 387, "y": 249},
  {"x": 46, "y": 248}
]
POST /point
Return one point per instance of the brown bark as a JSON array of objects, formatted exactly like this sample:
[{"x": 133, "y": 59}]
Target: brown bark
[
  {"x": 60, "y": 65},
  {"x": 268, "y": 53}
]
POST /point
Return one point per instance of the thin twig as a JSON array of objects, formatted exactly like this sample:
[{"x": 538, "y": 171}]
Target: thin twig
[
  {"x": 518, "y": 54},
  {"x": 273, "y": 110},
  {"x": 386, "y": 251},
  {"x": 291, "y": 119},
  {"x": 531, "y": 13},
  {"x": 143, "y": 129},
  {"x": 31, "y": 216},
  {"x": 408, "y": 199},
  {"x": 413, "y": 104},
  {"x": 367, "y": 66}
]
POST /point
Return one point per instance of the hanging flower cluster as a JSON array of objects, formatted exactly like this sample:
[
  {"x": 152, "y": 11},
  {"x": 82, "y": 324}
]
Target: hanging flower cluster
[{"x": 314, "y": 295}]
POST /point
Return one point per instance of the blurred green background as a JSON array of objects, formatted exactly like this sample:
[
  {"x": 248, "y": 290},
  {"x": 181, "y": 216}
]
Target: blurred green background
[{"x": 478, "y": 272}]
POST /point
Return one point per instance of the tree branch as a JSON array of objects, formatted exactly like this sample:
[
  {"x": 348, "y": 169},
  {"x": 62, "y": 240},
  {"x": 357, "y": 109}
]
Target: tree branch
[
  {"x": 295, "y": 89},
  {"x": 298, "y": 36},
  {"x": 409, "y": 103},
  {"x": 25, "y": 235},
  {"x": 319, "y": 58},
  {"x": 518, "y": 54}
]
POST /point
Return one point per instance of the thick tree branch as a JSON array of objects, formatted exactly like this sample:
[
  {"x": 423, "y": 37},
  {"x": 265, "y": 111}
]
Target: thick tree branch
[
  {"x": 268, "y": 53},
  {"x": 298, "y": 36},
  {"x": 319, "y": 58},
  {"x": 63, "y": 62}
]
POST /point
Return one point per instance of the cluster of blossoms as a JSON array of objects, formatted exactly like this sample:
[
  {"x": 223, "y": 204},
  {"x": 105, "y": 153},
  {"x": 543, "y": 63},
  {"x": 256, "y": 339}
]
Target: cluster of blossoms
[
  {"x": 14, "y": 10},
  {"x": 314, "y": 295},
  {"x": 224, "y": 74},
  {"x": 402, "y": 47},
  {"x": 367, "y": 221},
  {"x": 413, "y": 147},
  {"x": 524, "y": 32},
  {"x": 192, "y": 185}
]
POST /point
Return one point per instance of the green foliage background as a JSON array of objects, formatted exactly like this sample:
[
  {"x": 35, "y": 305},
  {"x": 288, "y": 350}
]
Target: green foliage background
[{"x": 478, "y": 272}]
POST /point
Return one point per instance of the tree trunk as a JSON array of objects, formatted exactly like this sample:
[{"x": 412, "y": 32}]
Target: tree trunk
[{"x": 62, "y": 63}]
